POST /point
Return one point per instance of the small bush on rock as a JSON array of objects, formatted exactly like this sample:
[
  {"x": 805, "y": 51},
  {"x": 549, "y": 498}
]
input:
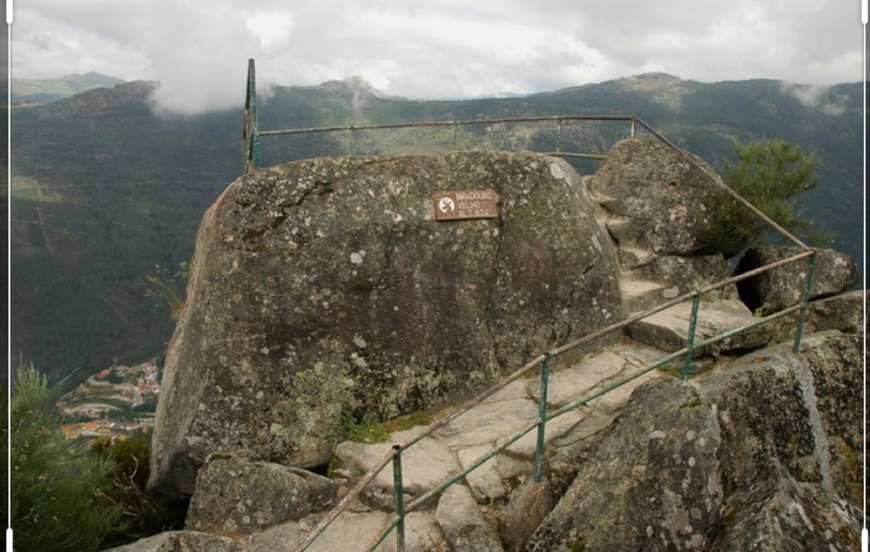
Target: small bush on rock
[{"x": 768, "y": 174}]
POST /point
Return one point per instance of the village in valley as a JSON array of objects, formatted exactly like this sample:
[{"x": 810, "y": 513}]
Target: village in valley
[{"x": 114, "y": 403}]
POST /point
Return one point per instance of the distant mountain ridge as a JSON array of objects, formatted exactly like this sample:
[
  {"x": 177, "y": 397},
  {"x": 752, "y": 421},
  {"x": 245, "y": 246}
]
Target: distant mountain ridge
[
  {"x": 28, "y": 91},
  {"x": 104, "y": 188}
]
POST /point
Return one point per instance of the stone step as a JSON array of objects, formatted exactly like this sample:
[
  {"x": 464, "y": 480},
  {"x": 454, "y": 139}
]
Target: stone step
[
  {"x": 468, "y": 438},
  {"x": 639, "y": 295},
  {"x": 621, "y": 229},
  {"x": 668, "y": 330},
  {"x": 634, "y": 257}
]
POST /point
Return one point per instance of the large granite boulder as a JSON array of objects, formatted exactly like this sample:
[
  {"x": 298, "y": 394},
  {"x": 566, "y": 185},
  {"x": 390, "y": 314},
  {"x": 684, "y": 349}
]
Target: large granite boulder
[
  {"x": 324, "y": 291},
  {"x": 763, "y": 453},
  {"x": 656, "y": 198},
  {"x": 782, "y": 287}
]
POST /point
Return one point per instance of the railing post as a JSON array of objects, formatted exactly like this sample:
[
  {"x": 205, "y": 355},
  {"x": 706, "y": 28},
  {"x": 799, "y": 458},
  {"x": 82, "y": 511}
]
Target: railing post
[
  {"x": 798, "y": 334},
  {"x": 250, "y": 132},
  {"x": 542, "y": 420},
  {"x": 559, "y": 136},
  {"x": 633, "y": 127},
  {"x": 400, "y": 498},
  {"x": 690, "y": 345}
]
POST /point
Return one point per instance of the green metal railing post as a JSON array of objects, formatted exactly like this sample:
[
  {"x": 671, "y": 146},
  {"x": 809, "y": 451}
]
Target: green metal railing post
[
  {"x": 542, "y": 420},
  {"x": 400, "y": 498},
  {"x": 690, "y": 345},
  {"x": 798, "y": 334},
  {"x": 250, "y": 131}
]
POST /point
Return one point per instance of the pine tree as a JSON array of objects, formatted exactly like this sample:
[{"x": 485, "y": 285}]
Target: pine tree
[
  {"x": 58, "y": 486},
  {"x": 768, "y": 174}
]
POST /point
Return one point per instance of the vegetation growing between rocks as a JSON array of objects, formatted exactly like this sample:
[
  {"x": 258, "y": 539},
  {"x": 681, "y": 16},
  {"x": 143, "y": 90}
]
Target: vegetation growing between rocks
[
  {"x": 768, "y": 174},
  {"x": 379, "y": 432},
  {"x": 142, "y": 515},
  {"x": 59, "y": 499},
  {"x": 167, "y": 290}
]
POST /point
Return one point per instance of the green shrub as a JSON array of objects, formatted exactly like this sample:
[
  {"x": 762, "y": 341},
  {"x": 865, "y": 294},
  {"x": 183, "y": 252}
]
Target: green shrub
[
  {"x": 167, "y": 290},
  {"x": 59, "y": 499},
  {"x": 768, "y": 174}
]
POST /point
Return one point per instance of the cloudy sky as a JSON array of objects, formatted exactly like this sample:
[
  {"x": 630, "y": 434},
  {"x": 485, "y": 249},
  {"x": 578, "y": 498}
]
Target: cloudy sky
[{"x": 198, "y": 49}]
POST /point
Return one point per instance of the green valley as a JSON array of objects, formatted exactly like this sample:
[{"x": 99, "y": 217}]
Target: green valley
[{"x": 107, "y": 191}]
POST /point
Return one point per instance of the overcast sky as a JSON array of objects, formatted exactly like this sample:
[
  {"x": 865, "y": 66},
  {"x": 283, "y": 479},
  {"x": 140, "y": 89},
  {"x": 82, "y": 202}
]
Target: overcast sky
[{"x": 198, "y": 49}]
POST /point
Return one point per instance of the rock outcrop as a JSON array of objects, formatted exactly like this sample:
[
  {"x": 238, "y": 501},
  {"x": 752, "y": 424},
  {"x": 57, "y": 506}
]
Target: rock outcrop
[
  {"x": 657, "y": 196},
  {"x": 763, "y": 452},
  {"x": 325, "y": 291},
  {"x": 240, "y": 497},
  {"x": 771, "y": 291},
  {"x": 648, "y": 485}
]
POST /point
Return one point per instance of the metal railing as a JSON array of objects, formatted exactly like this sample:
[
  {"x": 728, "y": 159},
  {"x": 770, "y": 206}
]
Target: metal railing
[{"x": 542, "y": 361}]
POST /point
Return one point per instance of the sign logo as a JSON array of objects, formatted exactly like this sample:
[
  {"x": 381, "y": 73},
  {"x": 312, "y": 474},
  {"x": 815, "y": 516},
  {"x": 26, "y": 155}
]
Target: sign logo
[
  {"x": 466, "y": 204},
  {"x": 446, "y": 205}
]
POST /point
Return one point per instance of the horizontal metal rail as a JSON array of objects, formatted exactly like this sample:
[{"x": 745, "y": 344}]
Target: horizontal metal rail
[
  {"x": 462, "y": 122},
  {"x": 423, "y": 499},
  {"x": 448, "y": 417}
]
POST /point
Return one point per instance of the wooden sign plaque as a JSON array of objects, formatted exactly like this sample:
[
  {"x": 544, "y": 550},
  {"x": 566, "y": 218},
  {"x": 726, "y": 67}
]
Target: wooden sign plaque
[{"x": 466, "y": 204}]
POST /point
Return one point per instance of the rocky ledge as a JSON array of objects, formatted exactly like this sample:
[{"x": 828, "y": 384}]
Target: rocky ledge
[{"x": 325, "y": 292}]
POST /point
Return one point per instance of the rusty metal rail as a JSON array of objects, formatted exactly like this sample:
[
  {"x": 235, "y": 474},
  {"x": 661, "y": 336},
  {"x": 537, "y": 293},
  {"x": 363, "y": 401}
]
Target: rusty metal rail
[
  {"x": 251, "y": 136},
  {"x": 541, "y": 361}
]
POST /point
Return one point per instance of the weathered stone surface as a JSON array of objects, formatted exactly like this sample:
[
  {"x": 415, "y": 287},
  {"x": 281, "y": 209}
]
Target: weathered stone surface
[
  {"x": 650, "y": 485},
  {"x": 783, "y": 287},
  {"x": 843, "y": 312},
  {"x": 682, "y": 274},
  {"x": 763, "y": 451},
  {"x": 323, "y": 289},
  {"x": 183, "y": 541},
  {"x": 462, "y": 522},
  {"x": 777, "y": 513},
  {"x": 668, "y": 330},
  {"x": 791, "y": 445},
  {"x": 800, "y": 411},
  {"x": 352, "y": 532},
  {"x": 234, "y": 495},
  {"x": 528, "y": 506},
  {"x": 424, "y": 466},
  {"x": 658, "y": 196}
]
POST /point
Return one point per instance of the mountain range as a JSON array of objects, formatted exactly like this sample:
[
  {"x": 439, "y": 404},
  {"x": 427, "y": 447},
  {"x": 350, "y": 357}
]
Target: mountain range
[
  {"x": 38, "y": 91},
  {"x": 108, "y": 192}
]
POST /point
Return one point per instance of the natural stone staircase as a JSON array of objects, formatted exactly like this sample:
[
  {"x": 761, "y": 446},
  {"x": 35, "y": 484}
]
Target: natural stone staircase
[
  {"x": 468, "y": 438},
  {"x": 668, "y": 330}
]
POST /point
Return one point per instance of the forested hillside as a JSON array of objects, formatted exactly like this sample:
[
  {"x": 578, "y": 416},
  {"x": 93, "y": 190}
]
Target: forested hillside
[{"x": 105, "y": 189}]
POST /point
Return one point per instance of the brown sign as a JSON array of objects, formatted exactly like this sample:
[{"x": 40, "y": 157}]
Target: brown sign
[{"x": 466, "y": 204}]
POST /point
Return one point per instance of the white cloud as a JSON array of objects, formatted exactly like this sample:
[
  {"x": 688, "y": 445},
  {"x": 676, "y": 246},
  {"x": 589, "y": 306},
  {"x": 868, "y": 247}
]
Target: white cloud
[
  {"x": 816, "y": 97},
  {"x": 271, "y": 27},
  {"x": 198, "y": 49}
]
